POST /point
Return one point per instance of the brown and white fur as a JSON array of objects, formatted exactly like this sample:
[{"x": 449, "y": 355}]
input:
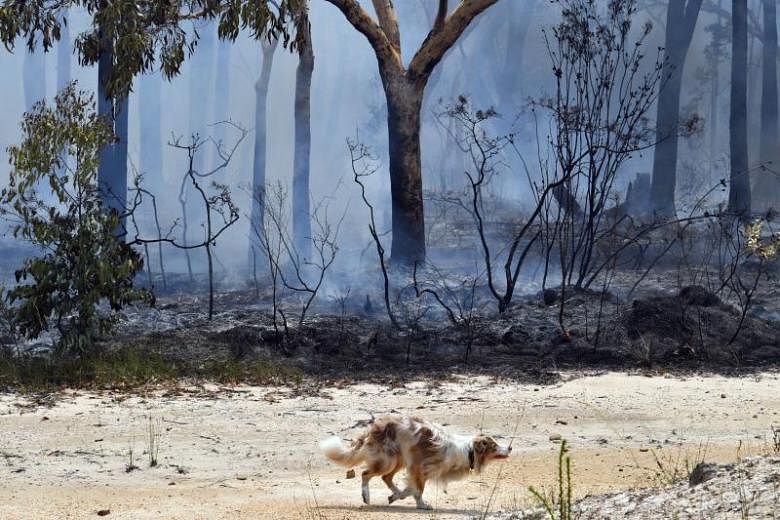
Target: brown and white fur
[{"x": 425, "y": 449}]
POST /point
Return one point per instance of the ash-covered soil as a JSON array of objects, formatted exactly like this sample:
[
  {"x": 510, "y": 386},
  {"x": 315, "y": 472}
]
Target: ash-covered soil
[{"x": 679, "y": 329}]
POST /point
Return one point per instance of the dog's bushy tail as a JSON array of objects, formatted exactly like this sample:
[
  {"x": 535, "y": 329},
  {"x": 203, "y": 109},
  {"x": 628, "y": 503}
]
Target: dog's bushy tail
[{"x": 343, "y": 455}]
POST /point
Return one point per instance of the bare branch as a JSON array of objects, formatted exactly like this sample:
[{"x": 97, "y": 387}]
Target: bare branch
[{"x": 439, "y": 41}]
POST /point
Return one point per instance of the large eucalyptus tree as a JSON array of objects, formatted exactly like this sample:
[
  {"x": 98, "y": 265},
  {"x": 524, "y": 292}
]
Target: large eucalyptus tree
[{"x": 404, "y": 86}]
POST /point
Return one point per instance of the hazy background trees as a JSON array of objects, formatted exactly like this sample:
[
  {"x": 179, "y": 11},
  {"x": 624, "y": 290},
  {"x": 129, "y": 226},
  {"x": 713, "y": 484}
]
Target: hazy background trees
[{"x": 494, "y": 59}]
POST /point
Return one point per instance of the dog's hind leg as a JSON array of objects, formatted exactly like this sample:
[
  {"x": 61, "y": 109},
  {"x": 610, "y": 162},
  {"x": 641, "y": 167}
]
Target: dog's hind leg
[
  {"x": 367, "y": 474},
  {"x": 381, "y": 467},
  {"x": 417, "y": 494}
]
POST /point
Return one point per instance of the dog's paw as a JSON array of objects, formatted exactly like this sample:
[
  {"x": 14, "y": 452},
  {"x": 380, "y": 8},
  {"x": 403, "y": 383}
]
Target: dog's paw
[
  {"x": 366, "y": 498},
  {"x": 392, "y": 498},
  {"x": 424, "y": 505}
]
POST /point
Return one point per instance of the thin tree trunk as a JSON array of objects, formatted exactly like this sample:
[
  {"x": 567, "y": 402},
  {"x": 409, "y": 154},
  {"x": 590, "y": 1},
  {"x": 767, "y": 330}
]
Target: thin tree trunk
[
  {"x": 302, "y": 160},
  {"x": 681, "y": 17},
  {"x": 714, "y": 105},
  {"x": 112, "y": 172},
  {"x": 739, "y": 189},
  {"x": 767, "y": 187},
  {"x": 64, "y": 56},
  {"x": 259, "y": 162},
  {"x": 519, "y": 16},
  {"x": 150, "y": 115},
  {"x": 201, "y": 72},
  {"x": 664, "y": 181},
  {"x": 34, "y": 75},
  {"x": 222, "y": 88}
]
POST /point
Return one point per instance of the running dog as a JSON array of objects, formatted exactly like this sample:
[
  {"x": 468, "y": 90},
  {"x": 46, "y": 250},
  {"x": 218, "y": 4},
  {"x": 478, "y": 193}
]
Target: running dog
[{"x": 425, "y": 449}]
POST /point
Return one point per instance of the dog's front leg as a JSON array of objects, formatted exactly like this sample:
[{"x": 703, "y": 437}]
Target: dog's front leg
[
  {"x": 417, "y": 486},
  {"x": 421, "y": 504},
  {"x": 388, "y": 479}
]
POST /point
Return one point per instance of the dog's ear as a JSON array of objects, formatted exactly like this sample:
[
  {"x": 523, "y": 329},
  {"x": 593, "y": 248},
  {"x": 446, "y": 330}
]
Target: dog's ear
[{"x": 480, "y": 444}]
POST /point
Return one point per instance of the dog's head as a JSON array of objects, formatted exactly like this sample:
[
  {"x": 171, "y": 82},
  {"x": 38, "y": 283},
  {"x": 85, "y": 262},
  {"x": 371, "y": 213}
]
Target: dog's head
[{"x": 486, "y": 449}]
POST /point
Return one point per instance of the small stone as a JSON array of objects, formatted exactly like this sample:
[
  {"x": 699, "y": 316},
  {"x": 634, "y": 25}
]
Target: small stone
[
  {"x": 351, "y": 473},
  {"x": 555, "y": 437},
  {"x": 702, "y": 473},
  {"x": 104, "y": 512}
]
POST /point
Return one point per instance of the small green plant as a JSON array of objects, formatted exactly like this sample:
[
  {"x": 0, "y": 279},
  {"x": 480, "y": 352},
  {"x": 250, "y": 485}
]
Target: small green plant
[
  {"x": 558, "y": 507},
  {"x": 153, "y": 435},
  {"x": 84, "y": 261}
]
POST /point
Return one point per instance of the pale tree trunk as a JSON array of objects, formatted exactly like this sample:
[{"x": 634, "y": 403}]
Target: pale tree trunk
[
  {"x": 404, "y": 88},
  {"x": 34, "y": 76},
  {"x": 302, "y": 159},
  {"x": 739, "y": 188},
  {"x": 201, "y": 92},
  {"x": 221, "y": 89},
  {"x": 112, "y": 172},
  {"x": 681, "y": 19},
  {"x": 150, "y": 120},
  {"x": 518, "y": 18},
  {"x": 767, "y": 186},
  {"x": 64, "y": 56},
  {"x": 714, "y": 123},
  {"x": 259, "y": 160}
]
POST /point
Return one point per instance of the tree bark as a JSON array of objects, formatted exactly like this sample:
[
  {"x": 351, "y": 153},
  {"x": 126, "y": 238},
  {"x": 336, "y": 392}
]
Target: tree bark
[
  {"x": 221, "y": 89},
  {"x": 259, "y": 160},
  {"x": 150, "y": 116},
  {"x": 112, "y": 172},
  {"x": 404, "y": 89},
  {"x": 34, "y": 75},
  {"x": 767, "y": 187},
  {"x": 681, "y": 19},
  {"x": 739, "y": 188},
  {"x": 302, "y": 159},
  {"x": 201, "y": 92},
  {"x": 64, "y": 56},
  {"x": 518, "y": 18},
  {"x": 404, "y": 104}
]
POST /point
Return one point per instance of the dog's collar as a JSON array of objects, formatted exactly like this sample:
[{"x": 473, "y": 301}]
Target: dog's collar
[{"x": 471, "y": 458}]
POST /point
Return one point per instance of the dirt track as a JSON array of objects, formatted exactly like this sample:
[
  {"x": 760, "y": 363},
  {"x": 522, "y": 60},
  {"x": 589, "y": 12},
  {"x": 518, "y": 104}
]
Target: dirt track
[{"x": 252, "y": 452}]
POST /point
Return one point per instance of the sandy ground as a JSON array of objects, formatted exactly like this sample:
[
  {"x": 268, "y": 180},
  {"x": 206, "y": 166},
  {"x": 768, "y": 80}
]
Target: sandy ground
[{"x": 252, "y": 452}]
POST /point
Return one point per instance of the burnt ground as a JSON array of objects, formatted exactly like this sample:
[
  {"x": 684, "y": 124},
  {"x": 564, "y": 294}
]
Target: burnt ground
[{"x": 677, "y": 329}]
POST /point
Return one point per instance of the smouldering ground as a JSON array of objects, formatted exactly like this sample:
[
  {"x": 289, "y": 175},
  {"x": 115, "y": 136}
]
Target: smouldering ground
[{"x": 252, "y": 452}]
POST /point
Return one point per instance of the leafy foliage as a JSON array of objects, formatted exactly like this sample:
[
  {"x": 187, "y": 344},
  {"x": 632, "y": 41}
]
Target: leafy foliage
[
  {"x": 764, "y": 249},
  {"x": 137, "y": 33},
  {"x": 84, "y": 262}
]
